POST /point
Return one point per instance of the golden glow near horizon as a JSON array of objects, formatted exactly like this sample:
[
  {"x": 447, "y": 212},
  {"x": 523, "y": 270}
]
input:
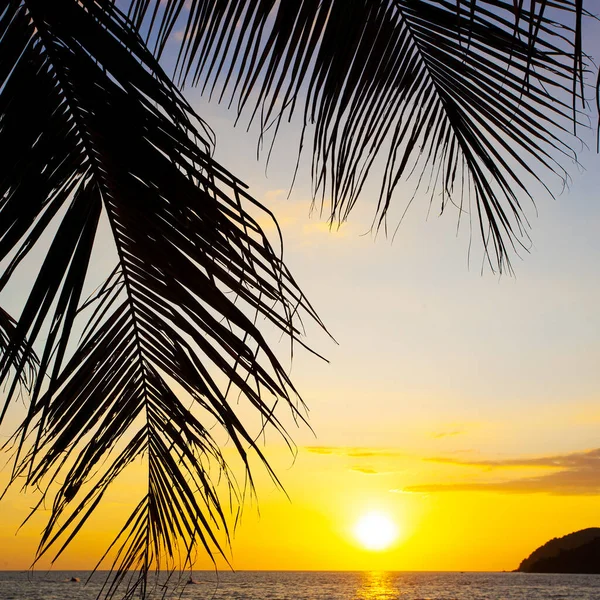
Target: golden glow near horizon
[{"x": 376, "y": 531}]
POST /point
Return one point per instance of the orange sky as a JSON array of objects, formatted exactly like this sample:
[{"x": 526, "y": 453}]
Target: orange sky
[{"x": 330, "y": 489}]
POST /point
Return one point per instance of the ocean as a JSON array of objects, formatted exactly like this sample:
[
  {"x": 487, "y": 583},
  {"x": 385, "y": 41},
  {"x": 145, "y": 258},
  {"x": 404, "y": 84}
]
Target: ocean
[{"x": 319, "y": 585}]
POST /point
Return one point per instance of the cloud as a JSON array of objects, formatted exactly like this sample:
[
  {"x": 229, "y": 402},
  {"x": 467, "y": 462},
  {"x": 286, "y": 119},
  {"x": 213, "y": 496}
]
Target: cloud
[
  {"x": 443, "y": 434},
  {"x": 578, "y": 474},
  {"x": 370, "y": 452},
  {"x": 574, "y": 460},
  {"x": 322, "y": 449},
  {"x": 271, "y": 195},
  {"x": 406, "y": 491},
  {"x": 354, "y": 452},
  {"x": 368, "y": 461},
  {"x": 365, "y": 470},
  {"x": 301, "y": 222}
]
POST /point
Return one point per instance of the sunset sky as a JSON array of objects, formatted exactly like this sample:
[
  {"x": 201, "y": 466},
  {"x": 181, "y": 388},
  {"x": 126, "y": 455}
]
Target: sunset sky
[{"x": 463, "y": 405}]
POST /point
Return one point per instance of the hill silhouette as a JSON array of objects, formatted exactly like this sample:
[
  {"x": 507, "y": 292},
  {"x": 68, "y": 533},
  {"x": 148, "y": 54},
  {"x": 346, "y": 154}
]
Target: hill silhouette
[{"x": 577, "y": 552}]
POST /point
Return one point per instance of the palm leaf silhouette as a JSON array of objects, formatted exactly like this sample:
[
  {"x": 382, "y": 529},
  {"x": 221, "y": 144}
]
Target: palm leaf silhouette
[
  {"x": 25, "y": 360},
  {"x": 96, "y": 131},
  {"x": 472, "y": 98}
]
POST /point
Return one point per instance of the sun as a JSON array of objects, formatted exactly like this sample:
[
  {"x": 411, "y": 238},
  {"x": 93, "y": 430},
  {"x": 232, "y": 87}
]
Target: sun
[{"x": 376, "y": 531}]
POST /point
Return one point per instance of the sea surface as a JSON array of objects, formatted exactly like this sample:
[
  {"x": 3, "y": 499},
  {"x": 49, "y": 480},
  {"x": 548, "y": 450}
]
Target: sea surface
[{"x": 318, "y": 585}]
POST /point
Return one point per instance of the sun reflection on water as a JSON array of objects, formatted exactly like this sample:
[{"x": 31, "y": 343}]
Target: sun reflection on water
[{"x": 376, "y": 585}]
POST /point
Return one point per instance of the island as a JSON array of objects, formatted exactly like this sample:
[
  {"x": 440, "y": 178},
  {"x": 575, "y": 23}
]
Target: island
[{"x": 577, "y": 552}]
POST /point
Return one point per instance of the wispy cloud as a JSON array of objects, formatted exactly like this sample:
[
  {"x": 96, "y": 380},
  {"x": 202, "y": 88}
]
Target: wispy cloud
[
  {"x": 406, "y": 491},
  {"x": 271, "y": 196},
  {"x": 578, "y": 460},
  {"x": 366, "y": 470},
  {"x": 577, "y": 473},
  {"x": 355, "y": 452},
  {"x": 443, "y": 434},
  {"x": 301, "y": 221}
]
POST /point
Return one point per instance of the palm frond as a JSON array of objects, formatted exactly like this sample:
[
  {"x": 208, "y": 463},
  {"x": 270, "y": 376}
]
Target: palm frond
[
  {"x": 25, "y": 360},
  {"x": 96, "y": 132},
  {"x": 472, "y": 98}
]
